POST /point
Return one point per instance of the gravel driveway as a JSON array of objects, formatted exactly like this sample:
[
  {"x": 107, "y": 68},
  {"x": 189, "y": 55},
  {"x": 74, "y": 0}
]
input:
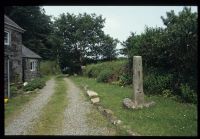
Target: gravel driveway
[
  {"x": 30, "y": 112},
  {"x": 76, "y": 114}
]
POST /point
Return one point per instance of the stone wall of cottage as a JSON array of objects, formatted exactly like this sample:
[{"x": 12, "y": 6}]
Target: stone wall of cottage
[
  {"x": 14, "y": 50},
  {"x": 28, "y": 74},
  {"x": 5, "y": 76}
]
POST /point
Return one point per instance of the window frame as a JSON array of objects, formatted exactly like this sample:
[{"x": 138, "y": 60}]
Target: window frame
[
  {"x": 33, "y": 65},
  {"x": 8, "y": 38}
]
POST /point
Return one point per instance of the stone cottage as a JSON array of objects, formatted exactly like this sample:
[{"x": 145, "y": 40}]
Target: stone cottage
[
  {"x": 30, "y": 64},
  {"x": 16, "y": 56}
]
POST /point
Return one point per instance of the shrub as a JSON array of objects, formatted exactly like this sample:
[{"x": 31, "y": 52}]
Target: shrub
[
  {"x": 93, "y": 70},
  {"x": 104, "y": 76},
  {"x": 125, "y": 79},
  {"x": 155, "y": 84},
  {"x": 35, "y": 83},
  {"x": 13, "y": 89},
  {"x": 49, "y": 68},
  {"x": 167, "y": 93},
  {"x": 188, "y": 94}
]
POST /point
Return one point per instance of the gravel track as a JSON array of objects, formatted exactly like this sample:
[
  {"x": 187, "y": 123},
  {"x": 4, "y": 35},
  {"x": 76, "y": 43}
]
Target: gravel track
[
  {"x": 75, "y": 114},
  {"x": 30, "y": 112}
]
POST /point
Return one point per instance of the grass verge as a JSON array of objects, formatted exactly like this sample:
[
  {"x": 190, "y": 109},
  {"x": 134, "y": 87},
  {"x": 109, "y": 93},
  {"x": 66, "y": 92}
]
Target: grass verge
[
  {"x": 166, "y": 118},
  {"x": 13, "y": 107},
  {"x": 15, "y": 103},
  {"x": 97, "y": 120},
  {"x": 51, "y": 120}
]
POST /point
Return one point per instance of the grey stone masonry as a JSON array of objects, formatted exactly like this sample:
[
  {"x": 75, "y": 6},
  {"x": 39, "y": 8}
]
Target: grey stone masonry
[
  {"x": 138, "y": 80},
  {"x": 138, "y": 94}
]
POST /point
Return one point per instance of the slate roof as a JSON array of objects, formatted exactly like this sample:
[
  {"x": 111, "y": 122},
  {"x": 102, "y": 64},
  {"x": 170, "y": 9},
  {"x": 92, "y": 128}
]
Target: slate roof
[
  {"x": 28, "y": 53},
  {"x": 10, "y": 22}
]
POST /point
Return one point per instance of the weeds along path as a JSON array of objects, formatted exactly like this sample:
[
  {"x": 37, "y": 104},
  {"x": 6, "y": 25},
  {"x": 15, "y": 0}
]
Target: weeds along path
[
  {"x": 78, "y": 113},
  {"x": 31, "y": 111}
]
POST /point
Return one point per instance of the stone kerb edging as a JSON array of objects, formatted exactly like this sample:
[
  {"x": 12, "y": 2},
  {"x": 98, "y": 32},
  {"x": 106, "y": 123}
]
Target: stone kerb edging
[
  {"x": 93, "y": 96},
  {"x": 109, "y": 114}
]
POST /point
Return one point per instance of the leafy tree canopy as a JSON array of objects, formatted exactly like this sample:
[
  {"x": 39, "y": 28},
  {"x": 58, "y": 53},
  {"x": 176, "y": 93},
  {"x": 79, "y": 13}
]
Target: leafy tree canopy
[{"x": 38, "y": 27}]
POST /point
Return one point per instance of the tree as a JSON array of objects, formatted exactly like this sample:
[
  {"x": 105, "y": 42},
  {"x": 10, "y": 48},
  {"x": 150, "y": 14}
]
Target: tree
[
  {"x": 181, "y": 43},
  {"x": 38, "y": 27},
  {"x": 169, "y": 50},
  {"x": 83, "y": 37},
  {"x": 108, "y": 48}
]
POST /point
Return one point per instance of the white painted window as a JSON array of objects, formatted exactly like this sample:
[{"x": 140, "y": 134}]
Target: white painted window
[
  {"x": 33, "y": 65},
  {"x": 6, "y": 38}
]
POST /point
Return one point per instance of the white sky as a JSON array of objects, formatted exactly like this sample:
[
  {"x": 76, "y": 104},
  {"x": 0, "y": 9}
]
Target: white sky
[{"x": 121, "y": 20}]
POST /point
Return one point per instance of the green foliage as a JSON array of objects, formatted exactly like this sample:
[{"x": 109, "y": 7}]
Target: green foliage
[
  {"x": 166, "y": 118},
  {"x": 125, "y": 79},
  {"x": 49, "y": 68},
  {"x": 156, "y": 84},
  {"x": 104, "y": 76},
  {"x": 92, "y": 70},
  {"x": 82, "y": 37},
  {"x": 117, "y": 67},
  {"x": 34, "y": 84},
  {"x": 13, "y": 89},
  {"x": 181, "y": 43},
  {"x": 38, "y": 28},
  {"x": 108, "y": 48},
  {"x": 168, "y": 50},
  {"x": 188, "y": 94},
  {"x": 167, "y": 93}
]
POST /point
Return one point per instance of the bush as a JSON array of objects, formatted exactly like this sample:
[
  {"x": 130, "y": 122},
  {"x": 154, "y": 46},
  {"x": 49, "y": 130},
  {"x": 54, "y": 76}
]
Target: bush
[
  {"x": 35, "y": 83},
  {"x": 188, "y": 94},
  {"x": 104, "y": 76},
  {"x": 13, "y": 89},
  {"x": 49, "y": 68},
  {"x": 167, "y": 93},
  {"x": 125, "y": 79},
  {"x": 156, "y": 84},
  {"x": 93, "y": 70}
]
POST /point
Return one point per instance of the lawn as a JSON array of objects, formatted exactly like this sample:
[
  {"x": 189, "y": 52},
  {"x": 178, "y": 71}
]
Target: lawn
[{"x": 166, "y": 118}]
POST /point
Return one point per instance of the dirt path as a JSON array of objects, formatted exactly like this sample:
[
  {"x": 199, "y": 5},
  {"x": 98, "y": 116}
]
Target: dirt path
[
  {"x": 76, "y": 115},
  {"x": 30, "y": 112}
]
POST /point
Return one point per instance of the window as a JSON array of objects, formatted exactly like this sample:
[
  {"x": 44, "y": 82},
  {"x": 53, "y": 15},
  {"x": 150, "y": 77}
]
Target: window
[
  {"x": 33, "y": 65},
  {"x": 6, "y": 38}
]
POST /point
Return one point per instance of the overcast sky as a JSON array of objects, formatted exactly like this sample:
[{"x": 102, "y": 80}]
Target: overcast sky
[{"x": 121, "y": 20}]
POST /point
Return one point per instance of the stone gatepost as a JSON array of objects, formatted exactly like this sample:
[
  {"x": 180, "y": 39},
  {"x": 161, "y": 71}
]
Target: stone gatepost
[
  {"x": 138, "y": 81},
  {"x": 138, "y": 94}
]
